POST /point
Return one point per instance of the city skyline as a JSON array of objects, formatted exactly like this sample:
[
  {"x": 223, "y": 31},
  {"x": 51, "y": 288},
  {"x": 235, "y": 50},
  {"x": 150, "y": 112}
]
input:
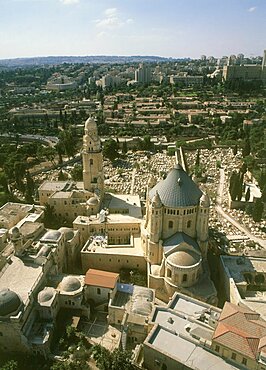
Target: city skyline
[{"x": 172, "y": 29}]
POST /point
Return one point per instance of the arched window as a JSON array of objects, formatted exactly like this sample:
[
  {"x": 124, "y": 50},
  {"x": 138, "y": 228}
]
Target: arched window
[
  {"x": 169, "y": 273},
  {"x": 189, "y": 224},
  {"x": 98, "y": 291},
  {"x": 91, "y": 162},
  {"x": 184, "y": 278},
  {"x": 170, "y": 224}
]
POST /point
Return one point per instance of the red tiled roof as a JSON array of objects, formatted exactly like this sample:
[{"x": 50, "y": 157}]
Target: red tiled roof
[
  {"x": 241, "y": 329},
  {"x": 101, "y": 278}
]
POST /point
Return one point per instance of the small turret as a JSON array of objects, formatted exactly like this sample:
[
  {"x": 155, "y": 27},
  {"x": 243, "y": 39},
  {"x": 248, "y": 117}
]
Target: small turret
[
  {"x": 205, "y": 201},
  {"x": 17, "y": 240},
  {"x": 203, "y": 223},
  {"x": 156, "y": 201}
]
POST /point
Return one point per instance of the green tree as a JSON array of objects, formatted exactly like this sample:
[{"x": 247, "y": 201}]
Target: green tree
[
  {"x": 257, "y": 210},
  {"x": 10, "y": 365},
  {"x": 118, "y": 359},
  {"x": 77, "y": 172},
  {"x": 3, "y": 182},
  {"x": 235, "y": 149},
  {"x": 49, "y": 219},
  {"x": 263, "y": 194},
  {"x": 197, "y": 162},
  {"x": 62, "y": 176},
  {"x": 246, "y": 148},
  {"x": 110, "y": 149},
  {"x": 124, "y": 147},
  {"x": 29, "y": 189},
  {"x": 247, "y": 196}
]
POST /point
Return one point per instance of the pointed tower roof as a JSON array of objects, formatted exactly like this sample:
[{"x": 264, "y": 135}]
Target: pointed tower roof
[
  {"x": 205, "y": 200},
  {"x": 177, "y": 190},
  {"x": 156, "y": 200}
]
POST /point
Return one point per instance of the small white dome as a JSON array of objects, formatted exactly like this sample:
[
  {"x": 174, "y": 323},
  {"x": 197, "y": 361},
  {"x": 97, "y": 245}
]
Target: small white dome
[
  {"x": 93, "y": 201},
  {"x": 70, "y": 284},
  {"x": 14, "y": 232},
  {"x": 68, "y": 232},
  {"x": 9, "y": 302},
  {"x": 184, "y": 258},
  {"x": 46, "y": 295},
  {"x": 51, "y": 235}
]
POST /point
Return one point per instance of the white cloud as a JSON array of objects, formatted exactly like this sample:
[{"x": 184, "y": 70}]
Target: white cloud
[
  {"x": 111, "y": 12},
  {"x": 112, "y": 20},
  {"x": 69, "y": 2},
  {"x": 101, "y": 34},
  {"x": 252, "y": 9}
]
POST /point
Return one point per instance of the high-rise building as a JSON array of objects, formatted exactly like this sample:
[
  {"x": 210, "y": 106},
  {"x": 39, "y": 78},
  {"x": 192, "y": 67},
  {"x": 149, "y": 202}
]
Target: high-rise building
[
  {"x": 143, "y": 74},
  {"x": 245, "y": 72}
]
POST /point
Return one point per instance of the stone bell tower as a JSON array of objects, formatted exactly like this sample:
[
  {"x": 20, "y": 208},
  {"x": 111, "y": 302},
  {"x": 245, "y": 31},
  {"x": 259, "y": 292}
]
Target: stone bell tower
[
  {"x": 154, "y": 229},
  {"x": 203, "y": 224},
  {"x": 92, "y": 158}
]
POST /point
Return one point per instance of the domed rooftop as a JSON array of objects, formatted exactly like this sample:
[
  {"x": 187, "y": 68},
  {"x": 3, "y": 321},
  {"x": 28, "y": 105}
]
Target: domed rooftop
[
  {"x": 68, "y": 232},
  {"x": 90, "y": 124},
  {"x": 93, "y": 201},
  {"x": 70, "y": 284},
  {"x": 177, "y": 190},
  {"x": 184, "y": 258},
  {"x": 46, "y": 295},
  {"x": 14, "y": 232},
  {"x": 52, "y": 235},
  {"x": 9, "y": 302}
]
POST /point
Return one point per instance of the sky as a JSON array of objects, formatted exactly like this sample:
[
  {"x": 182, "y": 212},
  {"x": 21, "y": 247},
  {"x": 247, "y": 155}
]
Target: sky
[{"x": 170, "y": 28}]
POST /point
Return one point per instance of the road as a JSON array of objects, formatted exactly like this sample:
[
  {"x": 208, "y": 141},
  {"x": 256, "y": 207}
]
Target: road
[
  {"x": 48, "y": 140},
  {"x": 235, "y": 223}
]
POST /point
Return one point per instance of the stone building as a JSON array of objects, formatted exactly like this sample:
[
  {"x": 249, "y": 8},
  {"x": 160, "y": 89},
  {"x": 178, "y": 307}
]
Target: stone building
[
  {"x": 71, "y": 199},
  {"x": 245, "y": 72},
  {"x": 175, "y": 237}
]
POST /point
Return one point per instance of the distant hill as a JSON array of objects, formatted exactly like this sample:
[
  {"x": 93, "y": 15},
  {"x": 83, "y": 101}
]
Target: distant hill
[{"x": 54, "y": 60}]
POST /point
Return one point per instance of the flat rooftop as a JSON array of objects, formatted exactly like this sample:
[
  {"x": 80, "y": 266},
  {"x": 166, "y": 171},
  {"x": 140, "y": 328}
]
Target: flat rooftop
[
  {"x": 92, "y": 246},
  {"x": 20, "y": 277},
  {"x": 11, "y": 213},
  {"x": 113, "y": 218},
  {"x": 53, "y": 185},
  {"x": 186, "y": 352},
  {"x": 239, "y": 265},
  {"x": 123, "y": 202},
  {"x": 185, "y": 305}
]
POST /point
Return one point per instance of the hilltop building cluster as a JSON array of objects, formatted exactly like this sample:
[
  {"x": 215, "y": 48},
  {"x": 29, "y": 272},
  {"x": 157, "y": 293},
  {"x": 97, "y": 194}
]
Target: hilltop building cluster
[{"x": 43, "y": 271}]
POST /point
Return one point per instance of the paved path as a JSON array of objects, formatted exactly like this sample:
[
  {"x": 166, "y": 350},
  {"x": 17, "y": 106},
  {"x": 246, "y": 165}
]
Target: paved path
[
  {"x": 237, "y": 224},
  {"x": 133, "y": 181}
]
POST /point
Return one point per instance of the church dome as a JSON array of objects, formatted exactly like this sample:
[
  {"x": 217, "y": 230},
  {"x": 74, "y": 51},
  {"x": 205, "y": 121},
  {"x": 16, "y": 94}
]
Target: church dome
[
  {"x": 52, "y": 235},
  {"x": 9, "y": 302},
  {"x": 177, "y": 190},
  {"x": 46, "y": 295},
  {"x": 184, "y": 258},
  {"x": 93, "y": 201},
  {"x": 70, "y": 284}
]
